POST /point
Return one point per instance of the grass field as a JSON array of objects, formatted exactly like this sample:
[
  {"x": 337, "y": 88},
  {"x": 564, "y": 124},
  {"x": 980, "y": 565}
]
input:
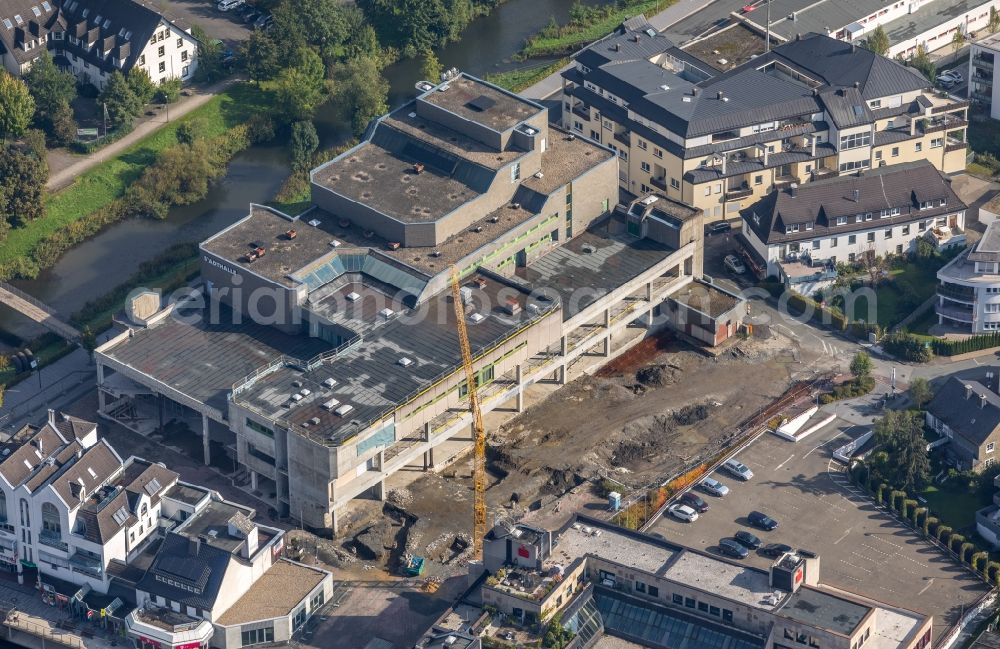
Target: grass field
[
  {"x": 107, "y": 181},
  {"x": 956, "y": 508},
  {"x": 518, "y": 80},
  {"x": 908, "y": 287},
  {"x": 574, "y": 36}
]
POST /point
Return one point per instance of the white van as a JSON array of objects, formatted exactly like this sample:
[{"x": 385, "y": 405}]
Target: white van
[{"x": 226, "y": 5}]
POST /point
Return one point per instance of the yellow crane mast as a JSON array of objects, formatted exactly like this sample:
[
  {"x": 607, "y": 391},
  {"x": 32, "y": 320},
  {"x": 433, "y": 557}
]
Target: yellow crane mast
[{"x": 479, "y": 459}]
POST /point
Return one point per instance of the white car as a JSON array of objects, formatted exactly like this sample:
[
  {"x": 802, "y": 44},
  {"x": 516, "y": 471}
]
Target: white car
[
  {"x": 714, "y": 487},
  {"x": 683, "y": 512},
  {"x": 737, "y": 469},
  {"x": 735, "y": 264},
  {"x": 226, "y": 5},
  {"x": 956, "y": 75}
]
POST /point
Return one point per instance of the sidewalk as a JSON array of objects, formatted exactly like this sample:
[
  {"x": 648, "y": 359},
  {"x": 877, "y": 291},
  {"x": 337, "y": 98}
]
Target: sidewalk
[
  {"x": 675, "y": 13},
  {"x": 184, "y": 105}
]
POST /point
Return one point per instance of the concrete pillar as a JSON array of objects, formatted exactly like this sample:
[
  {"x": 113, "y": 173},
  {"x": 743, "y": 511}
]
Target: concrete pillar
[
  {"x": 607, "y": 318},
  {"x": 101, "y": 400},
  {"x": 205, "y": 438},
  {"x": 380, "y": 490},
  {"x": 519, "y": 379},
  {"x": 334, "y": 523},
  {"x": 253, "y": 480},
  {"x": 649, "y": 291},
  {"x": 607, "y": 346},
  {"x": 561, "y": 375},
  {"x": 563, "y": 346}
]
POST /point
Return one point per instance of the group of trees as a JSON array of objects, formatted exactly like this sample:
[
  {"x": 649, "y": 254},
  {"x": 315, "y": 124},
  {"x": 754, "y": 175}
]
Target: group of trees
[
  {"x": 125, "y": 97},
  {"x": 23, "y": 174},
  {"x": 53, "y": 91},
  {"x": 414, "y": 26}
]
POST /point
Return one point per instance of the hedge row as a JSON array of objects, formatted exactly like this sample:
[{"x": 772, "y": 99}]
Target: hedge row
[
  {"x": 923, "y": 520},
  {"x": 798, "y": 304},
  {"x": 90, "y": 146},
  {"x": 971, "y": 344}
]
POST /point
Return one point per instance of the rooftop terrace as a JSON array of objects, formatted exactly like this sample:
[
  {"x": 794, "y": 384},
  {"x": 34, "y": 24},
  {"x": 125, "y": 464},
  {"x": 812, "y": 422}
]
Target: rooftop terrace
[{"x": 482, "y": 103}]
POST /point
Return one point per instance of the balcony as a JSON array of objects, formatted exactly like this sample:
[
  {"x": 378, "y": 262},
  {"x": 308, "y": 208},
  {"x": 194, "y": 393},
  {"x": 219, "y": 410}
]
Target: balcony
[
  {"x": 954, "y": 144},
  {"x": 955, "y": 313},
  {"x": 582, "y": 111},
  {"x": 982, "y": 62},
  {"x": 823, "y": 172},
  {"x": 741, "y": 191},
  {"x": 623, "y": 137},
  {"x": 53, "y": 540},
  {"x": 659, "y": 183},
  {"x": 87, "y": 563},
  {"x": 942, "y": 123},
  {"x": 957, "y": 293},
  {"x": 784, "y": 181}
]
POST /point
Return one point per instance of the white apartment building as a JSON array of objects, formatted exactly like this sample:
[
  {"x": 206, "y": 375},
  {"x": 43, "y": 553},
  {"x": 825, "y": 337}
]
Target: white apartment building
[
  {"x": 799, "y": 234},
  {"x": 969, "y": 287},
  {"x": 93, "y": 38},
  {"x": 982, "y": 86}
]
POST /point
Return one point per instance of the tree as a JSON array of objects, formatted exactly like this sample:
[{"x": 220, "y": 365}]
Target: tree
[
  {"x": 302, "y": 88},
  {"x": 874, "y": 264},
  {"x": 16, "y": 106},
  {"x": 994, "y": 24},
  {"x": 261, "y": 55},
  {"x": 322, "y": 24},
  {"x": 920, "y": 392},
  {"x": 88, "y": 339},
  {"x": 362, "y": 92},
  {"x": 141, "y": 85},
  {"x": 62, "y": 125},
  {"x": 50, "y": 87},
  {"x": 210, "y": 53},
  {"x": 861, "y": 365},
  {"x": 23, "y": 174},
  {"x": 922, "y": 61},
  {"x": 900, "y": 436},
  {"x": 169, "y": 90},
  {"x": 187, "y": 132},
  {"x": 877, "y": 41},
  {"x": 122, "y": 104},
  {"x": 430, "y": 69},
  {"x": 304, "y": 143},
  {"x": 957, "y": 40}
]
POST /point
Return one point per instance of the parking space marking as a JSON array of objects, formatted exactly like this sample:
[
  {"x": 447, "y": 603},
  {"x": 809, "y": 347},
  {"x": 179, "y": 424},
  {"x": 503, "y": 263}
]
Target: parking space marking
[
  {"x": 845, "y": 535},
  {"x": 785, "y": 462},
  {"x": 930, "y": 582}
]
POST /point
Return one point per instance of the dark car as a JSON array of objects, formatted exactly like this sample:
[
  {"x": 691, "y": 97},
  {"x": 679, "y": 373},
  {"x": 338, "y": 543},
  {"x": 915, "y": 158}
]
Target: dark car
[
  {"x": 775, "y": 550},
  {"x": 762, "y": 521},
  {"x": 733, "y": 548},
  {"x": 264, "y": 21},
  {"x": 747, "y": 539},
  {"x": 251, "y": 16},
  {"x": 719, "y": 227},
  {"x": 695, "y": 502}
]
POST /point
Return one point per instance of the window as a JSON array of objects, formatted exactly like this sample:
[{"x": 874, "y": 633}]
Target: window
[
  {"x": 794, "y": 227},
  {"x": 578, "y": 126},
  {"x": 184, "y": 55},
  {"x": 895, "y": 152},
  {"x": 142, "y": 60},
  {"x": 260, "y": 428},
  {"x": 884, "y": 214},
  {"x": 595, "y": 136},
  {"x": 851, "y": 240},
  {"x": 815, "y": 244},
  {"x": 689, "y": 602},
  {"x": 714, "y": 610},
  {"x": 50, "y": 519},
  {"x": 937, "y": 142},
  {"x": 257, "y": 636},
  {"x": 708, "y": 190},
  {"x": 163, "y": 67},
  {"x": 703, "y": 607},
  {"x": 3, "y": 507},
  {"x": 833, "y": 242},
  {"x": 515, "y": 172},
  {"x": 657, "y": 152},
  {"x": 727, "y": 615},
  {"x": 990, "y": 447},
  {"x": 878, "y": 155},
  {"x": 841, "y": 220},
  {"x": 857, "y": 164},
  {"x": 675, "y": 184},
  {"x": 888, "y": 233},
  {"x": 643, "y": 144},
  {"x": 654, "y": 591},
  {"x": 644, "y": 166},
  {"x": 919, "y": 147},
  {"x": 718, "y": 188},
  {"x": 875, "y": 103},
  {"x": 855, "y": 140},
  {"x": 161, "y": 51},
  {"x": 640, "y": 587},
  {"x": 871, "y": 237},
  {"x": 677, "y": 599},
  {"x": 906, "y": 230}
]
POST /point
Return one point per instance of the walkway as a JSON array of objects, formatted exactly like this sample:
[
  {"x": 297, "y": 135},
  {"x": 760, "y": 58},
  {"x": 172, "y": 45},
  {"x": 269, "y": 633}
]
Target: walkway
[
  {"x": 37, "y": 311},
  {"x": 673, "y": 14},
  {"x": 184, "y": 105}
]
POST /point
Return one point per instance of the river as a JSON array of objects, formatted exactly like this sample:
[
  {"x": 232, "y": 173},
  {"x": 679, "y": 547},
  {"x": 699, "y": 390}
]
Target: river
[{"x": 92, "y": 268}]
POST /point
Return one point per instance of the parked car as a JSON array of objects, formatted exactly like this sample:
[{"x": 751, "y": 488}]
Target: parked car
[
  {"x": 719, "y": 227},
  {"x": 774, "y": 550},
  {"x": 747, "y": 539},
  {"x": 762, "y": 521},
  {"x": 733, "y": 548},
  {"x": 694, "y": 501},
  {"x": 713, "y": 487},
  {"x": 735, "y": 264},
  {"x": 228, "y": 5},
  {"x": 956, "y": 75},
  {"x": 737, "y": 469},
  {"x": 683, "y": 512},
  {"x": 264, "y": 21},
  {"x": 251, "y": 16}
]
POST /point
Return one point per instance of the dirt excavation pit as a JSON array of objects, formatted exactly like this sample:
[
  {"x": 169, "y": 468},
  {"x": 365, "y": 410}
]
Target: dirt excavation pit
[{"x": 643, "y": 418}]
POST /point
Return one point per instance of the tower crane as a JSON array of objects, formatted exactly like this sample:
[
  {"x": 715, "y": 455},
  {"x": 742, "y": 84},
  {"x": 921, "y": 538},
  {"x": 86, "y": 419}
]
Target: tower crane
[{"x": 479, "y": 458}]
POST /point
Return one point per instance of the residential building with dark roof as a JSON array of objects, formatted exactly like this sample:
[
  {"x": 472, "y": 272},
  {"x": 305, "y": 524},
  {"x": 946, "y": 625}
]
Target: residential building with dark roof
[
  {"x": 93, "y": 38},
  {"x": 812, "y": 108},
  {"x": 334, "y": 359},
  {"x": 800, "y": 233},
  {"x": 966, "y": 412},
  {"x": 969, "y": 287},
  {"x": 601, "y": 579},
  {"x": 909, "y": 24}
]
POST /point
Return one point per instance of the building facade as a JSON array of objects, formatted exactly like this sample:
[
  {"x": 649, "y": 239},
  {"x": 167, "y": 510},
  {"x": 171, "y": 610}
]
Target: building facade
[
  {"x": 810, "y": 109},
  {"x": 345, "y": 364},
  {"x": 967, "y": 413},
  {"x": 981, "y": 76},
  {"x": 969, "y": 287},
  {"x": 801, "y": 232},
  {"x": 94, "y": 38}
]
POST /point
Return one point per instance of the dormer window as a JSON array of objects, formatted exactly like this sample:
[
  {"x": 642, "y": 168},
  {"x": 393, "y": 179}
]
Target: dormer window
[
  {"x": 884, "y": 214},
  {"x": 942, "y": 202},
  {"x": 97, "y": 19},
  {"x": 85, "y": 12},
  {"x": 841, "y": 220},
  {"x": 894, "y": 211},
  {"x": 868, "y": 216},
  {"x": 789, "y": 229},
  {"x": 18, "y": 19},
  {"x": 809, "y": 225},
  {"x": 36, "y": 11}
]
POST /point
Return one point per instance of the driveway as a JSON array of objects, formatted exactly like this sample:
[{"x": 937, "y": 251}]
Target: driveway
[{"x": 862, "y": 549}]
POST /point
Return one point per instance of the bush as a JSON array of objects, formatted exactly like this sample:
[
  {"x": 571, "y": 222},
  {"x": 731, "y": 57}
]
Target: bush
[
  {"x": 931, "y": 526},
  {"x": 880, "y": 493},
  {"x": 857, "y": 387},
  {"x": 169, "y": 90},
  {"x": 944, "y": 534},
  {"x": 910, "y": 511},
  {"x": 970, "y": 344},
  {"x": 955, "y": 542},
  {"x": 978, "y": 561},
  {"x": 907, "y": 347},
  {"x": 965, "y": 552},
  {"x": 896, "y": 500},
  {"x": 992, "y": 568}
]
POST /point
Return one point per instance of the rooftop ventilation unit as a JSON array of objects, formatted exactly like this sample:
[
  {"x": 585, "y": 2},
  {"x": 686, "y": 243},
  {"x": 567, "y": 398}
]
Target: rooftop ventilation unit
[
  {"x": 314, "y": 421},
  {"x": 533, "y": 309},
  {"x": 386, "y": 312},
  {"x": 330, "y": 404},
  {"x": 664, "y": 87},
  {"x": 330, "y": 382},
  {"x": 436, "y": 254},
  {"x": 334, "y": 243},
  {"x": 413, "y": 114},
  {"x": 295, "y": 398},
  {"x": 352, "y": 296},
  {"x": 405, "y": 362},
  {"x": 296, "y": 384},
  {"x": 315, "y": 223},
  {"x": 539, "y": 174},
  {"x": 477, "y": 318},
  {"x": 344, "y": 409},
  {"x": 305, "y": 392}
]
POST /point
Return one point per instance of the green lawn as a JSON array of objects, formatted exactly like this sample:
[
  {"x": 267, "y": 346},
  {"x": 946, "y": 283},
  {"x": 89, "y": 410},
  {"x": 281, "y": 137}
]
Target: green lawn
[
  {"x": 955, "y": 508},
  {"x": 907, "y": 288},
  {"x": 574, "y": 37},
  {"x": 518, "y": 80},
  {"x": 107, "y": 181}
]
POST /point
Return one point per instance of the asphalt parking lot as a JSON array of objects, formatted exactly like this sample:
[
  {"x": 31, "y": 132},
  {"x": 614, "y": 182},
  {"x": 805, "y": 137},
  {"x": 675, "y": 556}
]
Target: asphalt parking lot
[
  {"x": 862, "y": 549},
  {"x": 227, "y": 26}
]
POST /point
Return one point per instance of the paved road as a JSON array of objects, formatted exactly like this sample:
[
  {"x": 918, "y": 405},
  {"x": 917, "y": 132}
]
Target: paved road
[
  {"x": 675, "y": 17},
  {"x": 185, "y": 105}
]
